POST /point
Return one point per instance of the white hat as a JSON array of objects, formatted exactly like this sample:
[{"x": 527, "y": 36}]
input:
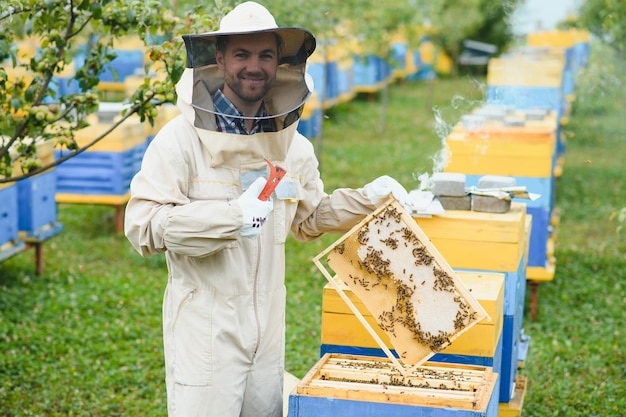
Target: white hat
[{"x": 249, "y": 18}]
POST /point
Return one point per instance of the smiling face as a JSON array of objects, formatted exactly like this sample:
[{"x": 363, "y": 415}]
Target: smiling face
[{"x": 249, "y": 63}]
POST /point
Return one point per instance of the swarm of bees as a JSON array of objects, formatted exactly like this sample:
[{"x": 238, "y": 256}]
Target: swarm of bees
[{"x": 387, "y": 260}]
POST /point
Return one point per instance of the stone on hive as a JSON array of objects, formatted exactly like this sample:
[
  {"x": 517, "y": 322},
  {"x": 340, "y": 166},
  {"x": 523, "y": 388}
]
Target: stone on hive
[
  {"x": 456, "y": 202},
  {"x": 448, "y": 184},
  {"x": 495, "y": 181},
  {"x": 489, "y": 204}
]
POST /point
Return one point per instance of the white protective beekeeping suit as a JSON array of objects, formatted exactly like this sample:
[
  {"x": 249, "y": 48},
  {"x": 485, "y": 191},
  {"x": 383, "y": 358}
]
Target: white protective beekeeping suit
[{"x": 224, "y": 305}]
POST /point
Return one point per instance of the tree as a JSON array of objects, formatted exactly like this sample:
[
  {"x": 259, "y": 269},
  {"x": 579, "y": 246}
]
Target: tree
[
  {"x": 480, "y": 20},
  {"x": 496, "y": 27},
  {"x": 607, "y": 20},
  {"x": 30, "y": 97}
]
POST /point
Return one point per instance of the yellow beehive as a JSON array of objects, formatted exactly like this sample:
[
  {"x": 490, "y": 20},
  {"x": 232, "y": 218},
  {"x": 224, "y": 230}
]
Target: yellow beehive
[
  {"x": 340, "y": 327},
  {"x": 352, "y": 386},
  {"x": 557, "y": 38},
  {"x": 130, "y": 134},
  {"x": 524, "y": 151},
  {"x": 481, "y": 241},
  {"x": 544, "y": 70}
]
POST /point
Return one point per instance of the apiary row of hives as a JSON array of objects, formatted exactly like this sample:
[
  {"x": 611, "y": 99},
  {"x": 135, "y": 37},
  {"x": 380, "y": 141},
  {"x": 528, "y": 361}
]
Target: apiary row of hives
[
  {"x": 518, "y": 132},
  {"x": 490, "y": 255},
  {"x": 340, "y": 70}
]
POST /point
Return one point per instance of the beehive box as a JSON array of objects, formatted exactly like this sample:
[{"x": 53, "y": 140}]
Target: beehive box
[
  {"x": 8, "y": 215},
  {"x": 342, "y": 332},
  {"x": 351, "y": 386},
  {"x": 37, "y": 204},
  {"x": 526, "y": 151},
  {"x": 404, "y": 282},
  {"x": 107, "y": 167},
  {"x": 310, "y": 122},
  {"x": 480, "y": 241},
  {"x": 494, "y": 242},
  {"x": 545, "y": 70},
  {"x": 539, "y": 254},
  {"x": 529, "y": 80}
]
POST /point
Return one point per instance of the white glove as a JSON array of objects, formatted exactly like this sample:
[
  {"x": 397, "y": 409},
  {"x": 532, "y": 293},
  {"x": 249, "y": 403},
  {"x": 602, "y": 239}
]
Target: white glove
[
  {"x": 378, "y": 191},
  {"x": 255, "y": 211}
]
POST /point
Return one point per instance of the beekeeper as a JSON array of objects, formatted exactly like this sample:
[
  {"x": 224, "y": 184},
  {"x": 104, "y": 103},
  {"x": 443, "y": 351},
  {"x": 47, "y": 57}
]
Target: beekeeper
[{"x": 196, "y": 199}]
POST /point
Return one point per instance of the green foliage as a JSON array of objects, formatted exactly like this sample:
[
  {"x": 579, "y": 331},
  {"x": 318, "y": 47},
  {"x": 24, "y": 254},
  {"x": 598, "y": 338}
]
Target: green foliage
[
  {"x": 59, "y": 30},
  {"x": 84, "y": 338},
  {"x": 479, "y": 20},
  {"x": 496, "y": 27},
  {"x": 605, "y": 19}
]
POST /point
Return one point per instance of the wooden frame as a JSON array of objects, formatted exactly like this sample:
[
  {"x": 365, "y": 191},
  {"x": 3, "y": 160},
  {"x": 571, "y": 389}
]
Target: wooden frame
[{"x": 391, "y": 265}]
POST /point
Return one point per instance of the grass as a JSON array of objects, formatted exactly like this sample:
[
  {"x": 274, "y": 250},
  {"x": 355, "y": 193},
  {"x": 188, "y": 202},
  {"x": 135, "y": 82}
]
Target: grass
[{"x": 84, "y": 338}]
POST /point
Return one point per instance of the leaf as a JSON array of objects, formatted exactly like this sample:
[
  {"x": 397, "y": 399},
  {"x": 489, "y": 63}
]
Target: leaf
[{"x": 96, "y": 10}]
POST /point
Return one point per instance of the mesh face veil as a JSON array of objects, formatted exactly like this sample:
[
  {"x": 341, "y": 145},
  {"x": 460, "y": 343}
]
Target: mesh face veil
[{"x": 289, "y": 91}]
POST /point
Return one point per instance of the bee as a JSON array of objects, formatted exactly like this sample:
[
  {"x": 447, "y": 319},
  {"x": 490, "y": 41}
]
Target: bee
[
  {"x": 362, "y": 236},
  {"x": 390, "y": 242}
]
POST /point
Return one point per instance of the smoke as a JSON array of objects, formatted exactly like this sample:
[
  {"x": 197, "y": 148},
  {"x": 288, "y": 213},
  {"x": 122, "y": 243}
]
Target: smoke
[{"x": 444, "y": 121}]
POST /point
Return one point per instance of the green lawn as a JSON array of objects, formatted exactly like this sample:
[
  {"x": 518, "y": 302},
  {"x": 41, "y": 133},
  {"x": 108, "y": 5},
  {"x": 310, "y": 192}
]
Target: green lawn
[{"x": 84, "y": 338}]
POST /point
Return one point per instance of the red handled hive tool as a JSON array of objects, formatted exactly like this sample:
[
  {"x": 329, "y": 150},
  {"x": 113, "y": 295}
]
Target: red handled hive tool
[{"x": 276, "y": 175}]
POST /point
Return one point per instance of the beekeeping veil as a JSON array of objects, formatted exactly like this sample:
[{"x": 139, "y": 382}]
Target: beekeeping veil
[{"x": 290, "y": 90}]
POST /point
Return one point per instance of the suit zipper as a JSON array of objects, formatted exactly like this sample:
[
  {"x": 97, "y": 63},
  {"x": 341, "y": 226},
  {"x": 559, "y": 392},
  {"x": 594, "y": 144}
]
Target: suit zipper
[
  {"x": 255, "y": 294},
  {"x": 182, "y": 304}
]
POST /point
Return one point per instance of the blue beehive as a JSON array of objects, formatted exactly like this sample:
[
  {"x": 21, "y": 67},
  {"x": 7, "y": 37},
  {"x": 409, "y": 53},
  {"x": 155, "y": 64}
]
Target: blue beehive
[
  {"x": 8, "y": 214},
  {"x": 107, "y": 167},
  {"x": 369, "y": 72},
  {"x": 355, "y": 386},
  {"x": 125, "y": 64},
  {"x": 514, "y": 292},
  {"x": 99, "y": 173},
  {"x": 37, "y": 204}
]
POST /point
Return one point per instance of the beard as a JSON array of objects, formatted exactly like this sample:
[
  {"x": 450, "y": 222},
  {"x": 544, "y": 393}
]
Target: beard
[{"x": 249, "y": 93}]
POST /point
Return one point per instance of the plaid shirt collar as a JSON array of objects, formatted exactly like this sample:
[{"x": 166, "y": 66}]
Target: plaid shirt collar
[{"x": 229, "y": 118}]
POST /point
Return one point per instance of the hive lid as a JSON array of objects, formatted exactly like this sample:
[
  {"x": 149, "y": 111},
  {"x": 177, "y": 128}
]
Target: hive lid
[{"x": 405, "y": 283}]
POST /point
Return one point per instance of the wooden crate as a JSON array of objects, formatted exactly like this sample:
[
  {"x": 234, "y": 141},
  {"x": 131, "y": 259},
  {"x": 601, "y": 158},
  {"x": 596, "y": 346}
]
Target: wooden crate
[
  {"x": 342, "y": 331},
  {"x": 351, "y": 386}
]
